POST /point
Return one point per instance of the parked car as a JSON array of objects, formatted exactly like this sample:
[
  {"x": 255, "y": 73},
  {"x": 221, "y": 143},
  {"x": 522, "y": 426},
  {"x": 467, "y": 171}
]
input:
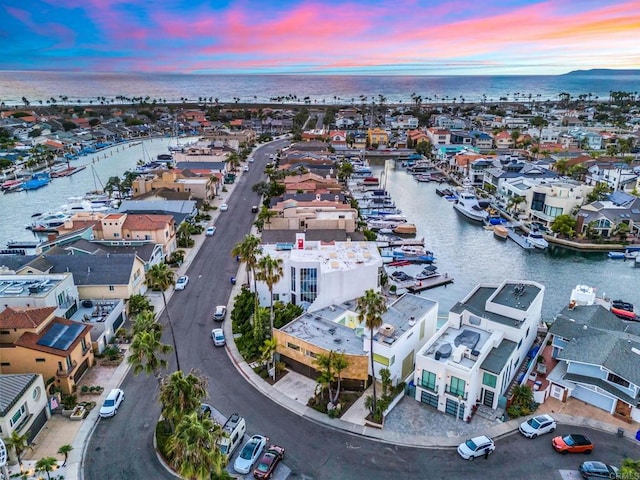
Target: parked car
[
  {"x": 538, "y": 425},
  {"x": 572, "y": 443},
  {"x": 598, "y": 470},
  {"x": 224, "y": 207},
  {"x": 235, "y": 428},
  {"x": 217, "y": 335},
  {"x": 245, "y": 168},
  {"x": 112, "y": 403},
  {"x": 476, "y": 447},
  {"x": 249, "y": 454},
  {"x": 206, "y": 410},
  {"x": 220, "y": 313},
  {"x": 268, "y": 462},
  {"x": 251, "y": 160},
  {"x": 211, "y": 231},
  {"x": 182, "y": 282},
  {"x": 254, "y": 209}
]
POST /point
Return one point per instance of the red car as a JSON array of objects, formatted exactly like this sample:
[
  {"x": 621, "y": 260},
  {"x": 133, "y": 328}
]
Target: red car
[
  {"x": 268, "y": 463},
  {"x": 572, "y": 444}
]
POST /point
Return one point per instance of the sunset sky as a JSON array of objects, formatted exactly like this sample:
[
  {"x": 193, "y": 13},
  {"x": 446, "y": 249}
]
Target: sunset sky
[{"x": 413, "y": 37}]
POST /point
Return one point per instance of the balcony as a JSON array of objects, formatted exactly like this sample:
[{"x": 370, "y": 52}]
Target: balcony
[
  {"x": 67, "y": 372},
  {"x": 456, "y": 392}
]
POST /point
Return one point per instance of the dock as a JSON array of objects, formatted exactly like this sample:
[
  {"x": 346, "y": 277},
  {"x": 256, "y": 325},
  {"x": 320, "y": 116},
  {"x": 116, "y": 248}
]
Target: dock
[
  {"x": 400, "y": 242},
  {"x": 520, "y": 240},
  {"x": 434, "y": 281}
]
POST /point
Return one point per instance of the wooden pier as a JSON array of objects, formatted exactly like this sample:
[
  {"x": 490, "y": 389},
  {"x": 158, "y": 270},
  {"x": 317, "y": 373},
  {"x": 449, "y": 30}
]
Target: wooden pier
[{"x": 430, "y": 282}]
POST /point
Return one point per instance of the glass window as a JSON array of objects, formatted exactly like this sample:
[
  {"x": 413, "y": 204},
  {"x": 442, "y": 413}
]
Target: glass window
[
  {"x": 457, "y": 386},
  {"x": 381, "y": 359},
  {"x": 489, "y": 380},
  {"x": 308, "y": 284},
  {"x": 18, "y": 415},
  {"x": 293, "y": 280},
  {"x": 612, "y": 377},
  {"x": 428, "y": 380},
  {"x": 292, "y": 346}
]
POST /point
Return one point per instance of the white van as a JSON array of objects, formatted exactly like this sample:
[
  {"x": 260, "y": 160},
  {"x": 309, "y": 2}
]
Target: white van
[{"x": 235, "y": 427}]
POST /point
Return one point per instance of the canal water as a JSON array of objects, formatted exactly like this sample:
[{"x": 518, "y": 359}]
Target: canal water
[
  {"x": 472, "y": 255},
  {"x": 17, "y": 208}
]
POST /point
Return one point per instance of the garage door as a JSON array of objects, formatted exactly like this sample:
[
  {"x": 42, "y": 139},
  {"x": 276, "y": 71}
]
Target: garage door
[
  {"x": 429, "y": 399},
  {"x": 454, "y": 407},
  {"x": 593, "y": 398}
]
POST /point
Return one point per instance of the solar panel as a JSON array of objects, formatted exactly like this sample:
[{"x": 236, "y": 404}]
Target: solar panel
[
  {"x": 61, "y": 336},
  {"x": 52, "y": 335}
]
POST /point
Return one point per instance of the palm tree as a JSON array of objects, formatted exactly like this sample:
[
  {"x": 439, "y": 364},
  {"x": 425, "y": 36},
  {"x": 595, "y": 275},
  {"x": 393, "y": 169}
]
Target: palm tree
[
  {"x": 144, "y": 353},
  {"x": 46, "y": 464},
  {"x": 370, "y": 308},
  {"x": 19, "y": 444},
  {"x": 145, "y": 321},
  {"x": 270, "y": 272},
  {"x": 161, "y": 277},
  {"x": 65, "y": 450},
  {"x": 193, "y": 447},
  {"x": 181, "y": 395},
  {"x": 247, "y": 250},
  {"x": 268, "y": 351}
]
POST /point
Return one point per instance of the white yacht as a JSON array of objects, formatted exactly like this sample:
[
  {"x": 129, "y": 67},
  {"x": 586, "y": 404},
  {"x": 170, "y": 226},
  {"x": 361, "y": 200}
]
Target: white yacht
[
  {"x": 536, "y": 239},
  {"x": 48, "y": 221},
  {"x": 468, "y": 206}
]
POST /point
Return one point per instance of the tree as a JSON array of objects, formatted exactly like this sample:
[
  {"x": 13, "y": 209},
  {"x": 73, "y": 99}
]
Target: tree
[
  {"x": 145, "y": 352},
  {"x": 181, "y": 395},
  {"x": 65, "y": 450},
  {"x": 270, "y": 272},
  {"x": 46, "y": 464},
  {"x": 193, "y": 447},
  {"x": 330, "y": 368},
  {"x": 564, "y": 225},
  {"x": 600, "y": 192},
  {"x": 145, "y": 321},
  {"x": 267, "y": 353},
  {"x": 370, "y": 308},
  {"x": 630, "y": 468},
  {"x": 159, "y": 276},
  {"x": 138, "y": 303},
  {"x": 514, "y": 201},
  {"x": 247, "y": 251},
  {"x": 345, "y": 170},
  {"x": 19, "y": 444}
]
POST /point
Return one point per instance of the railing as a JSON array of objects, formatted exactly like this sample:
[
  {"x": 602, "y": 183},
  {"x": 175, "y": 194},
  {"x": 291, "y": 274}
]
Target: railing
[
  {"x": 456, "y": 392},
  {"x": 433, "y": 388},
  {"x": 67, "y": 372}
]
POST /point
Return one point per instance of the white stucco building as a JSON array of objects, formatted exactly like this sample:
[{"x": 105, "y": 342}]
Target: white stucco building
[
  {"x": 474, "y": 357},
  {"x": 317, "y": 274}
]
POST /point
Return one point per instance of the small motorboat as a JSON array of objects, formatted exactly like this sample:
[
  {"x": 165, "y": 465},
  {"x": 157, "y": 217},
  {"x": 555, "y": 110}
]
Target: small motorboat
[
  {"x": 622, "y": 305},
  {"x": 500, "y": 232},
  {"x": 536, "y": 239},
  {"x": 624, "y": 314},
  {"x": 428, "y": 271},
  {"x": 616, "y": 255},
  {"x": 405, "y": 229}
]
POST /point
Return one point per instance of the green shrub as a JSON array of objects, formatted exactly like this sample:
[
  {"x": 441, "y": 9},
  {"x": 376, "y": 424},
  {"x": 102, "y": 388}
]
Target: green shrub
[{"x": 163, "y": 435}]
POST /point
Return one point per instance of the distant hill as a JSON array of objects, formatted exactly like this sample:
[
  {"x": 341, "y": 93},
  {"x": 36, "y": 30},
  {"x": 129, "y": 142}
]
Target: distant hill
[{"x": 603, "y": 71}]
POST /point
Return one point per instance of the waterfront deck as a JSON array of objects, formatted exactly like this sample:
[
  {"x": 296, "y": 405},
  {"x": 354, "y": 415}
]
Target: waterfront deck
[
  {"x": 520, "y": 240},
  {"x": 436, "y": 280}
]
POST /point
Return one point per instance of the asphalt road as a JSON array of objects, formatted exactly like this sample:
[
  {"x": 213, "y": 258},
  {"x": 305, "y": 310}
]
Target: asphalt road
[{"x": 121, "y": 447}]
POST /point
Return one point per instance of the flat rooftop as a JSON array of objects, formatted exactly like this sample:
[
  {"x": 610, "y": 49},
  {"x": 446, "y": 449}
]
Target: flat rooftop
[
  {"x": 28, "y": 286},
  {"x": 450, "y": 338},
  {"x": 329, "y": 257}
]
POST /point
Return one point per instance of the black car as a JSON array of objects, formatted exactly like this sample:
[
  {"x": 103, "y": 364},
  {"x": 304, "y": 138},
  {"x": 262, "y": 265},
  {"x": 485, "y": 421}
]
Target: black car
[{"x": 598, "y": 470}]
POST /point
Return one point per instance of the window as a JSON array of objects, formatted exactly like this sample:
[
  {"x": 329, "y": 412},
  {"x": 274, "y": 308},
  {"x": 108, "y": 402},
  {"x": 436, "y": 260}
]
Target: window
[
  {"x": 393, "y": 360},
  {"x": 421, "y": 330},
  {"x": 613, "y": 378},
  {"x": 311, "y": 354},
  {"x": 18, "y": 415},
  {"x": 489, "y": 380},
  {"x": 308, "y": 284},
  {"x": 537, "y": 202},
  {"x": 293, "y": 346},
  {"x": 83, "y": 342},
  {"x": 5, "y": 364},
  {"x": 456, "y": 387},
  {"x": 380, "y": 359},
  {"x": 276, "y": 297},
  {"x": 293, "y": 280},
  {"x": 40, "y": 360},
  {"x": 37, "y": 392},
  {"x": 428, "y": 380},
  {"x": 69, "y": 363},
  {"x": 111, "y": 288}
]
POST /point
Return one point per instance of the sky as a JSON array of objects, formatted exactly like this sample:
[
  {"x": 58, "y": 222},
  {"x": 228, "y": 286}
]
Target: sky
[{"x": 413, "y": 37}]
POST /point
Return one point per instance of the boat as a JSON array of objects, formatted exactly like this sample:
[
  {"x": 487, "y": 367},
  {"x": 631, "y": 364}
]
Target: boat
[
  {"x": 616, "y": 255},
  {"x": 405, "y": 229},
  {"x": 37, "y": 180},
  {"x": 500, "y": 232},
  {"x": 371, "y": 181},
  {"x": 622, "y": 305},
  {"x": 413, "y": 253},
  {"x": 80, "y": 204},
  {"x": 444, "y": 191},
  {"x": 536, "y": 239},
  {"x": 428, "y": 271},
  {"x": 624, "y": 314},
  {"x": 48, "y": 221},
  {"x": 11, "y": 185},
  {"x": 423, "y": 178},
  {"x": 468, "y": 206},
  {"x": 67, "y": 171}
]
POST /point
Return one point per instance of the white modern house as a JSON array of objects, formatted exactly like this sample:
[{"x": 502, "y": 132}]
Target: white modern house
[
  {"x": 407, "y": 324},
  {"x": 545, "y": 201},
  {"x": 475, "y": 355},
  {"x": 52, "y": 290},
  {"x": 318, "y": 274}
]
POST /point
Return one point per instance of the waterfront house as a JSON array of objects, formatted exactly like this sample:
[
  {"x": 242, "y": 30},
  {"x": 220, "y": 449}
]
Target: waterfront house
[
  {"x": 23, "y": 405},
  {"x": 311, "y": 183},
  {"x": 200, "y": 187},
  {"x": 180, "y": 210},
  {"x": 416, "y": 137},
  {"x": 318, "y": 274},
  {"x": 545, "y": 201},
  {"x": 473, "y": 358},
  {"x": 604, "y": 217},
  {"x": 338, "y": 139},
  {"x": 404, "y": 122},
  {"x": 34, "y": 340},
  {"x": 312, "y": 215},
  {"x": 503, "y": 140},
  {"x": 407, "y": 324},
  {"x": 616, "y": 174},
  {"x": 598, "y": 360},
  {"x": 439, "y": 136},
  {"x": 481, "y": 140},
  {"x": 40, "y": 290},
  {"x": 377, "y": 136}
]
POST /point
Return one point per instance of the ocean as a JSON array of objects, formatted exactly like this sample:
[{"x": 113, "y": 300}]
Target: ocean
[{"x": 38, "y": 88}]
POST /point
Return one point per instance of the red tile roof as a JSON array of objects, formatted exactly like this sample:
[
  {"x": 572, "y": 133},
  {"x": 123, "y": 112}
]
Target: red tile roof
[
  {"x": 12, "y": 317},
  {"x": 30, "y": 340}
]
